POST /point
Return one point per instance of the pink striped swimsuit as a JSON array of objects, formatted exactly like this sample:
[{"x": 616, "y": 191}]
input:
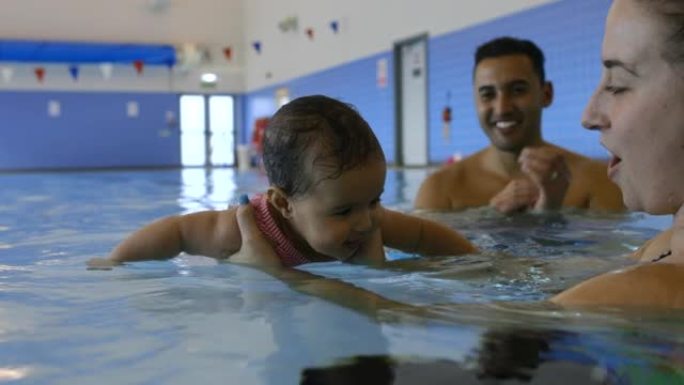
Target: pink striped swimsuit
[{"x": 288, "y": 253}]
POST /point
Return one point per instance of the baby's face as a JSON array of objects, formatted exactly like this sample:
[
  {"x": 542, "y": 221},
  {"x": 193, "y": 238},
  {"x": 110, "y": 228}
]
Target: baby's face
[{"x": 337, "y": 216}]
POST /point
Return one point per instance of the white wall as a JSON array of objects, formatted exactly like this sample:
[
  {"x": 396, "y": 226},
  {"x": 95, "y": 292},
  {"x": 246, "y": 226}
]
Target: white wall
[{"x": 367, "y": 27}]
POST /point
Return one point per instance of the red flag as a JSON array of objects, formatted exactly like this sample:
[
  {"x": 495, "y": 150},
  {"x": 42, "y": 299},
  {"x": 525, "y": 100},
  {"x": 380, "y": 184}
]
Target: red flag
[
  {"x": 40, "y": 73},
  {"x": 228, "y": 53},
  {"x": 139, "y": 65}
]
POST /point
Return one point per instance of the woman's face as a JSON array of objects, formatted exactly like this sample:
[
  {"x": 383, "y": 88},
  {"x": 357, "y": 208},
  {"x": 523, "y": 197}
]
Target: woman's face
[{"x": 639, "y": 109}]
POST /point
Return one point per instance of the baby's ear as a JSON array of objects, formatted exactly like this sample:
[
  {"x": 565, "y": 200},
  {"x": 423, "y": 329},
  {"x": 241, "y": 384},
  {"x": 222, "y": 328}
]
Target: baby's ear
[{"x": 280, "y": 201}]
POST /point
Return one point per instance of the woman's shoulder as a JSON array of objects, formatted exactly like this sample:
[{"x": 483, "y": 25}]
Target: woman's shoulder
[
  {"x": 644, "y": 285},
  {"x": 654, "y": 247}
]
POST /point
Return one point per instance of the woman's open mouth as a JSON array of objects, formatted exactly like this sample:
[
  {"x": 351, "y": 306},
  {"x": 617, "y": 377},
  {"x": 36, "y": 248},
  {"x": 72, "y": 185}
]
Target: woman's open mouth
[{"x": 613, "y": 166}]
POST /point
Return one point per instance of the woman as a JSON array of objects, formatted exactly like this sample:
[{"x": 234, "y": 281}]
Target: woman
[{"x": 639, "y": 109}]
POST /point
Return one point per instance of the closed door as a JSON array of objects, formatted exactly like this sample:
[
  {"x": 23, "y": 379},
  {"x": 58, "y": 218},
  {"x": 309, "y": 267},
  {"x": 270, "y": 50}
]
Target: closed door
[{"x": 412, "y": 135}]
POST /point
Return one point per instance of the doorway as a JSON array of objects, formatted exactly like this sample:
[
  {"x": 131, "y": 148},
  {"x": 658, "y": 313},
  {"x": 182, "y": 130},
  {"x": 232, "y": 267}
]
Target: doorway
[
  {"x": 207, "y": 125},
  {"x": 411, "y": 101}
]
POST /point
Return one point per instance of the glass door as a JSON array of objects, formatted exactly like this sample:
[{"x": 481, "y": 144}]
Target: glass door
[{"x": 207, "y": 130}]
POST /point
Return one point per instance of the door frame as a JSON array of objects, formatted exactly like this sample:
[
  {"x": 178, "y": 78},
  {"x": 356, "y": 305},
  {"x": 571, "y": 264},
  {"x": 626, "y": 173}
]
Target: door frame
[{"x": 398, "y": 94}]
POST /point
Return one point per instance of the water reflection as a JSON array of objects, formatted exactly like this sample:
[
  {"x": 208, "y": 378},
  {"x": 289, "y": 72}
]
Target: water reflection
[
  {"x": 217, "y": 188},
  {"x": 519, "y": 355},
  {"x": 206, "y": 188}
]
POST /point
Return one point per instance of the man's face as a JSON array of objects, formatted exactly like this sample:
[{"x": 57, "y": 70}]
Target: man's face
[{"x": 510, "y": 97}]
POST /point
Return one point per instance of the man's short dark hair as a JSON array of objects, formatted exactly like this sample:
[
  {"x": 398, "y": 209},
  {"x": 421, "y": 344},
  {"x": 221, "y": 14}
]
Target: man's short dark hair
[{"x": 505, "y": 46}]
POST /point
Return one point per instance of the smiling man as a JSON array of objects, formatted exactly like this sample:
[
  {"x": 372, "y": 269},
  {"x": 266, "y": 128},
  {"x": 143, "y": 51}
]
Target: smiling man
[{"x": 518, "y": 171}]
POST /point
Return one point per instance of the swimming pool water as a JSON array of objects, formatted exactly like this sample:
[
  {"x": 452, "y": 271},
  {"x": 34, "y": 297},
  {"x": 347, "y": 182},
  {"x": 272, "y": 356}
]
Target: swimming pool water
[{"x": 468, "y": 319}]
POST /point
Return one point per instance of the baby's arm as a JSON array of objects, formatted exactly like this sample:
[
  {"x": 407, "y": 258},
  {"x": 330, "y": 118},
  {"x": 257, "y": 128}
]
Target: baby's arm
[
  {"x": 422, "y": 236},
  {"x": 210, "y": 233}
]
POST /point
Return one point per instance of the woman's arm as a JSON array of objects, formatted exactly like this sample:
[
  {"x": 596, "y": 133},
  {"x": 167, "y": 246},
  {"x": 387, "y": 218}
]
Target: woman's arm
[{"x": 422, "y": 236}]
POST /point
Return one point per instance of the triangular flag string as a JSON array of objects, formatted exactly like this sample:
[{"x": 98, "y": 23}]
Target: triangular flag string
[
  {"x": 106, "y": 70},
  {"x": 257, "y": 46},
  {"x": 74, "y": 71},
  {"x": 139, "y": 66},
  {"x": 228, "y": 53},
  {"x": 40, "y": 73}
]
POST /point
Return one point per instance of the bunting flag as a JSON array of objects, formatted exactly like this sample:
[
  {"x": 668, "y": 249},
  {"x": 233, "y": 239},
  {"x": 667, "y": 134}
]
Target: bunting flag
[
  {"x": 74, "y": 70},
  {"x": 310, "y": 33},
  {"x": 106, "y": 70},
  {"x": 7, "y": 73},
  {"x": 40, "y": 73},
  {"x": 139, "y": 65},
  {"x": 228, "y": 53},
  {"x": 257, "y": 46},
  {"x": 335, "y": 26}
]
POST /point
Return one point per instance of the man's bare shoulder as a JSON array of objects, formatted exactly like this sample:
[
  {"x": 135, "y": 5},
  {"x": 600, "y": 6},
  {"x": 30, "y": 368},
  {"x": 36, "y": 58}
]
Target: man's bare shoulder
[
  {"x": 445, "y": 188},
  {"x": 435, "y": 193},
  {"x": 455, "y": 172},
  {"x": 580, "y": 164},
  {"x": 574, "y": 159}
]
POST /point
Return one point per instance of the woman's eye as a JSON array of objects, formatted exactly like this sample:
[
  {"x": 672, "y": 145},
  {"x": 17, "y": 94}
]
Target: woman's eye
[{"x": 615, "y": 90}]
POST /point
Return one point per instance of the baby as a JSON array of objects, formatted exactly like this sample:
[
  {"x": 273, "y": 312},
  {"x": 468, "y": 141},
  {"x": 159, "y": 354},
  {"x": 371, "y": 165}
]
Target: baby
[{"x": 326, "y": 172}]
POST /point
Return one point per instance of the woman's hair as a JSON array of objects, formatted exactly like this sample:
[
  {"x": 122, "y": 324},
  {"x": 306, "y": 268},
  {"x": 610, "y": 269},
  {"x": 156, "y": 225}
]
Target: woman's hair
[
  {"x": 671, "y": 12},
  {"x": 315, "y": 133}
]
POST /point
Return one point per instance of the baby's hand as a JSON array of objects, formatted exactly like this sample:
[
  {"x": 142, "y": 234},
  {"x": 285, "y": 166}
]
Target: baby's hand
[{"x": 102, "y": 264}]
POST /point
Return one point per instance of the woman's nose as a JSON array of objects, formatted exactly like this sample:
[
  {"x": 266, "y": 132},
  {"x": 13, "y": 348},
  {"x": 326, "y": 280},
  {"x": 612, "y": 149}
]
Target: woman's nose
[{"x": 593, "y": 117}]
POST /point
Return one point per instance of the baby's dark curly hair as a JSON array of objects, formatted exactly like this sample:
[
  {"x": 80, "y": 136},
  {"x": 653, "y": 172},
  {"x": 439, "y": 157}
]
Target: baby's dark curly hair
[{"x": 315, "y": 134}]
